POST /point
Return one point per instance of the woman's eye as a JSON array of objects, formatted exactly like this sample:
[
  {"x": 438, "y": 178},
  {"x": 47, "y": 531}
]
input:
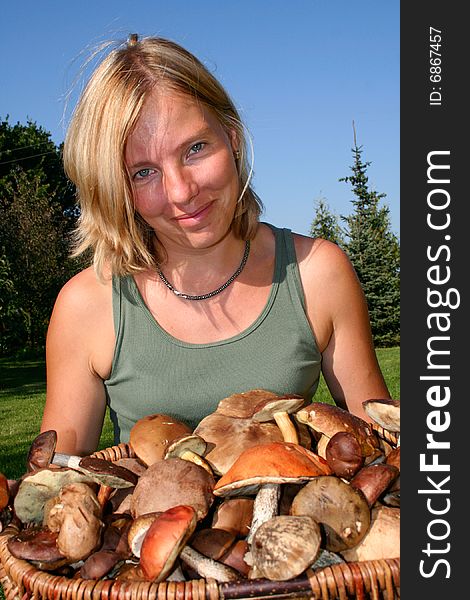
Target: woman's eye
[
  {"x": 143, "y": 173},
  {"x": 196, "y": 148}
]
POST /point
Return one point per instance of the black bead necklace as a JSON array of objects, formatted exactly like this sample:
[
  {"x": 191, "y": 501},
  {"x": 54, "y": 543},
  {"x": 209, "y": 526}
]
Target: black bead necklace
[{"x": 224, "y": 286}]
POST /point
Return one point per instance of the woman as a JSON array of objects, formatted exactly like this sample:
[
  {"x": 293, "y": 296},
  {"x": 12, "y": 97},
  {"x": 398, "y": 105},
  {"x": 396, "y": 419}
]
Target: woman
[{"x": 190, "y": 298}]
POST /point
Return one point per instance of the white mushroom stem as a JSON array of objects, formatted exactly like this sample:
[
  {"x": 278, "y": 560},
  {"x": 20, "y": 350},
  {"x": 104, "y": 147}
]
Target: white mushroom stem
[
  {"x": 197, "y": 460},
  {"x": 287, "y": 427},
  {"x": 206, "y": 567},
  {"x": 265, "y": 507},
  {"x": 66, "y": 460}
]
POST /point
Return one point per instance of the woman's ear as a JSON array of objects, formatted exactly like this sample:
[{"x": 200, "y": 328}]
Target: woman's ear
[{"x": 234, "y": 141}]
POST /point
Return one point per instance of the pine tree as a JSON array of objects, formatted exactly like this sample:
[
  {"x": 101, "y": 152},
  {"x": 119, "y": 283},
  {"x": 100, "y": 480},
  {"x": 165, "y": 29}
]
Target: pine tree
[
  {"x": 374, "y": 252},
  {"x": 325, "y": 224}
]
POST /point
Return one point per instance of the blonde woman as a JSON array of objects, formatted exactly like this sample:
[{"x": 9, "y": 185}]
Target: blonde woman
[{"x": 190, "y": 298}]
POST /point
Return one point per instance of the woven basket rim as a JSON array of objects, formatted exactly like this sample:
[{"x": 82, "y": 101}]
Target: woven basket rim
[{"x": 22, "y": 580}]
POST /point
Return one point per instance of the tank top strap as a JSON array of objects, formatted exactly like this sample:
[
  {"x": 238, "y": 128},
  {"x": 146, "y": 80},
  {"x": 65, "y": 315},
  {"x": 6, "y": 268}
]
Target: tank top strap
[{"x": 286, "y": 255}]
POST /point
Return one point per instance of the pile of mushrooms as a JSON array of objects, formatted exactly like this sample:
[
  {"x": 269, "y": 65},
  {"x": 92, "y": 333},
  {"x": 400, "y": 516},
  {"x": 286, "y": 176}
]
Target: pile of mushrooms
[{"x": 265, "y": 487}]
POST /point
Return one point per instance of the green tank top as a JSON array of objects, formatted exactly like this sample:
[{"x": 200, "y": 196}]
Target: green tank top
[{"x": 153, "y": 372}]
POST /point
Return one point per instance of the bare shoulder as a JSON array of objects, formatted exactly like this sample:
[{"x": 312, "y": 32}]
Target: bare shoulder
[
  {"x": 84, "y": 290},
  {"x": 319, "y": 257}
]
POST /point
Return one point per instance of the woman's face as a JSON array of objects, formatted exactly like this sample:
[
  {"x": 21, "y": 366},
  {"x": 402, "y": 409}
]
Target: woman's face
[{"x": 182, "y": 167}]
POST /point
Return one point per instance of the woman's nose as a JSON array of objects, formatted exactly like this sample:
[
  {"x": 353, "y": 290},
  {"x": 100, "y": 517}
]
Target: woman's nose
[{"x": 180, "y": 184}]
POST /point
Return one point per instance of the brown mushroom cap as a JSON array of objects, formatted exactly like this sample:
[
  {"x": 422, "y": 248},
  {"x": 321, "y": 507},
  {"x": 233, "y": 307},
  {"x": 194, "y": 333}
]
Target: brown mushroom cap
[
  {"x": 212, "y": 542},
  {"x": 279, "y": 462},
  {"x": 374, "y": 480},
  {"x": 4, "y": 491},
  {"x": 165, "y": 538},
  {"x": 37, "y": 544},
  {"x": 138, "y": 531},
  {"x": 172, "y": 482},
  {"x": 241, "y": 406},
  {"x": 327, "y": 420},
  {"x": 38, "y": 487},
  {"x": 234, "y": 515},
  {"x": 41, "y": 450},
  {"x": 150, "y": 436},
  {"x": 77, "y": 518},
  {"x": 227, "y": 437},
  {"x": 107, "y": 473},
  {"x": 344, "y": 455},
  {"x": 385, "y": 412},
  {"x": 285, "y": 546},
  {"x": 382, "y": 540},
  {"x": 342, "y": 510}
]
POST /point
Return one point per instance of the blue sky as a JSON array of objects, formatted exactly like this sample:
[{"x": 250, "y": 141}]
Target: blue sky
[{"x": 300, "y": 73}]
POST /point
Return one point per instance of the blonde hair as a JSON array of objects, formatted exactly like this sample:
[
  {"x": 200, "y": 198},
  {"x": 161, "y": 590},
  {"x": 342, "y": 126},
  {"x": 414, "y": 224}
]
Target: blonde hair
[{"x": 103, "y": 119}]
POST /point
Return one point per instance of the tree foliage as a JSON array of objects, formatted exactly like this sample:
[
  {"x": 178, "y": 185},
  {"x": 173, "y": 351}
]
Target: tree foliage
[
  {"x": 35, "y": 222},
  {"x": 374, "y": 252},
  {"x": 325, "y": 224}
]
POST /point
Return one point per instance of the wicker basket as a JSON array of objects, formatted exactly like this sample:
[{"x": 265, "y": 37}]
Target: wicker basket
[{"x": 374, "y": 579}]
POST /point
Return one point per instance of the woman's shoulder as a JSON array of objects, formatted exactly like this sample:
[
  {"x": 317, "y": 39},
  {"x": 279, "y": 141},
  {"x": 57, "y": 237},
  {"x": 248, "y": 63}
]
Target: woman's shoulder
[
  {"x": 319, "y": 255},
  {"x": 84, "y": 291}
]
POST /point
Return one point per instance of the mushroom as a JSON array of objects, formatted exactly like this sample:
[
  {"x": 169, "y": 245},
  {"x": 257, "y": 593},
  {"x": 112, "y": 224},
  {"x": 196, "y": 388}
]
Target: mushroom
[
  {"x": 212, "y": 542},
  {"x": 279, "y": 409},
  {"x": 234, "y": 515},
  {"x": 4, "y": 492},
  {"x": 150, "y": 436},
  {"x": 138, "y": 531},
  {"x": 189, "y": 447},
  {"x": 341, "y": 510},
  {"x": 260, "y": 470},
  {"x": 285, "y": 546},
  {"x": 41, "y": 450},
  {"x": 38, "y": 544},
  {"x": 207, "y": 567},
  {"x": 385, "y": 412},
  {"x": 327, "y": 419},
  {"x": 374, "y": 480},
  {"x": 76, "y": 519},
  {"x": 343, "y": 454},
  {"x": 171, "y": 482},
  {"x": 382, "y": 540},
  {"x": 164, "y": 541},
  {"x": 38, "y": 487},
  {"x": 232, "y": 421}
]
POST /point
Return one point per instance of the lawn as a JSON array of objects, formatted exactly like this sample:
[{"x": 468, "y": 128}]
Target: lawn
[{"x": 22, "y": 398}]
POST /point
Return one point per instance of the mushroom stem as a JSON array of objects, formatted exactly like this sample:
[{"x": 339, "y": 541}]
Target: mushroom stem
[
  {"x": 287, "y": 427},
  {"x": 197, "y": 460},
  {"x": 265, "y": 506},
  {"x": 206, "y": 567},
  {"x": 66, "y": 460}
]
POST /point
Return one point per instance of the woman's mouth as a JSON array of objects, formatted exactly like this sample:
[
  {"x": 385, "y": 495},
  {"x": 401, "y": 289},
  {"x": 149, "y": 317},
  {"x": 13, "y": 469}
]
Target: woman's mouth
[{"x": 195, "y": 216}]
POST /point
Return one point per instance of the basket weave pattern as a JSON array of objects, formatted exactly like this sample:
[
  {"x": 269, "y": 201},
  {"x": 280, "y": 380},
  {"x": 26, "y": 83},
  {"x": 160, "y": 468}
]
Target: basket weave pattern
[{"x": 373, "y": 579}]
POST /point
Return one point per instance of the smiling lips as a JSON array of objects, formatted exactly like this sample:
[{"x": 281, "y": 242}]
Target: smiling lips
[{"x": 196, "y": 215}]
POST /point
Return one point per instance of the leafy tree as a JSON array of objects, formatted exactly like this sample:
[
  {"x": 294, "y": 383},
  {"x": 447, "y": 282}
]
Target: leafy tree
[
  {"x": 375, "y": 253},
  {"x": 325, "y": 224},
  {"x": 36, "y": 217}
]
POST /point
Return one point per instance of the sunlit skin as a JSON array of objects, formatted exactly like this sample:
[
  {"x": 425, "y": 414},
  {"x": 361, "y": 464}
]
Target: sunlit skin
[
  {"x": 182, "y": 166},
  {"x": 181, "y": 163}
]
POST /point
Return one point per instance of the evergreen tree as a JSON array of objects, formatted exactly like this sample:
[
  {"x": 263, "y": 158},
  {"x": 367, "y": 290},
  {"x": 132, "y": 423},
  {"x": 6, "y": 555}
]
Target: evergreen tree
[
  {"x": 375, "y": 253},
  {"x": 325, "y": 224}
]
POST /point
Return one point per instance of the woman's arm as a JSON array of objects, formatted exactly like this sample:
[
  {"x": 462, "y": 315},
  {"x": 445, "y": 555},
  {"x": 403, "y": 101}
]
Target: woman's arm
[
  {"x": 79, "y": 350},
  {"x": 338, "y": 313}
]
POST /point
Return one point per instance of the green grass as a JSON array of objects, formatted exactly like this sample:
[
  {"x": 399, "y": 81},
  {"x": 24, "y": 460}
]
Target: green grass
[
  {"x": 22, "y": 399},
  {"x": 23, "y": 394}
]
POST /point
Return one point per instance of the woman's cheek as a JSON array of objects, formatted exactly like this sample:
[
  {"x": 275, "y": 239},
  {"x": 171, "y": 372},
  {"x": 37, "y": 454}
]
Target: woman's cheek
[{"x": 147, "y": 202}]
